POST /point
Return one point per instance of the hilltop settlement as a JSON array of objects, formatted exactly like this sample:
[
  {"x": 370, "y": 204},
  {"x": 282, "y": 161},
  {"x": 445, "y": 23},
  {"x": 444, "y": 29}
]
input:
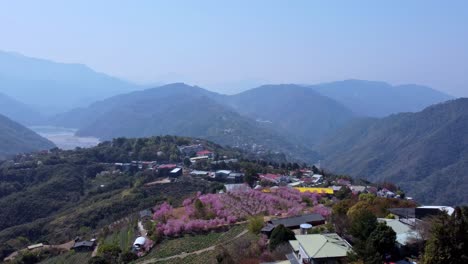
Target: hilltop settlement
[{"x": 183, "y": 200}]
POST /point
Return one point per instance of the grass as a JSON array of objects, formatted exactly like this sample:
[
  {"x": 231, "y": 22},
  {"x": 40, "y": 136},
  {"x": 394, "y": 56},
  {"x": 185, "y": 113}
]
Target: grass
[
  {"x": 191, "y": 243},
  {"x": 123, "y": 238},
  {"x": 69, "y": 258}
]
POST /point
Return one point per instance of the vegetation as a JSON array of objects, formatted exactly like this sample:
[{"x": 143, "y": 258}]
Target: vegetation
[
  {"x": 280, "y": 235},
  {"x": 53, "y": 197},
  {"x": 448, "y": 241},
  {"x": 15, "y": 138},
  {"x": 414, "y": 150}
]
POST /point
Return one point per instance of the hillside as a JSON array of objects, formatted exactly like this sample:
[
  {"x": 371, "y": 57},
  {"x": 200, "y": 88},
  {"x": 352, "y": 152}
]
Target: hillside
[
  {"x": 178, "y": 109},
  {"x": 15, "y": 138},
  {"x": 296, "y": 110},
  {"x": 380, "y": 99},
  {"x": 53, "y": 86},
  {"x": 18, "y": 111},
  {"x": 426, "y": 152}
]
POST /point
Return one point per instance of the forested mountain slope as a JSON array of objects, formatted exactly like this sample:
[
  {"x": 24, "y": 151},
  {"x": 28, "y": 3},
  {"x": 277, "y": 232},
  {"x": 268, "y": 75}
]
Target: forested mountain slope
[
  {"x": 426, "y": 152},
  {"x": 15, "y": 138}
]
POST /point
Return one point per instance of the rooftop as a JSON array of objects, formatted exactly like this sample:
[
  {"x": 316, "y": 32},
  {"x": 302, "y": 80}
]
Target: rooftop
[
  {"x": 298, "y": 220},
  {"x": 324, "y": 246}
]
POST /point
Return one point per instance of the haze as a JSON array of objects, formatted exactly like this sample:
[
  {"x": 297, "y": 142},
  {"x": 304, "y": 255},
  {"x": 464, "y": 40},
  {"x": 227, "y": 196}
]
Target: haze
[{"x": 230, "y": 46}]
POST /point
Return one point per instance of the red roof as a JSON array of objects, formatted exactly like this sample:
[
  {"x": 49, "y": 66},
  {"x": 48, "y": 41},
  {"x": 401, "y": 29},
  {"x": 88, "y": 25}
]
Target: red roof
[
  {"x": 204, "y": 153},
  {"x": 167, "y": 166},
  {"x": 271, "y": 177}
]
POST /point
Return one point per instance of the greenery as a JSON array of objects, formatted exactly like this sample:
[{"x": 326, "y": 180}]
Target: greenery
[
  {"x": 280, "y": 235},
  {"x": 448, "y": 241},
  {"x": 15, "y": 138},
  {"x": 414, "y": 150},
  {"x": 255, "y": 224},
  {"x": 53, "y": 197}
]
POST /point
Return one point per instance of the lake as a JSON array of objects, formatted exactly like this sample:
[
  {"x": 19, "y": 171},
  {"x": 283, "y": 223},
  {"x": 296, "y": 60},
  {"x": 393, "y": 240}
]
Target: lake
[{"x": 65, "y": 138}]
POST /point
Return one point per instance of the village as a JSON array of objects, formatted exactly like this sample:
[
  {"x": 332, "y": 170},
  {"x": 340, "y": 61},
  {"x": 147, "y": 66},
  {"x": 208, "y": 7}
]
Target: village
[{"x": 294, "y": 206}]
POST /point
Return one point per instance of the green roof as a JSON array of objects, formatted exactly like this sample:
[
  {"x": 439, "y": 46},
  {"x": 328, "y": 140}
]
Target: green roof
[
  {"x": 294, "y": 244},
  {"x": 324, "y": 246}
]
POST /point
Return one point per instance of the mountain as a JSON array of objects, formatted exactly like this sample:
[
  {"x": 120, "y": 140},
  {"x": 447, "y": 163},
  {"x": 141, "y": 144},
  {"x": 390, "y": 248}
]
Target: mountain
[
  {"x": 15, "y": 138},
  {"x": 177, "y": 109},
  {"x": 379, "y": 99},
  {"x": 298, "y": 111},
  {"x": 55, "y": 87},
  {"x": 18, "y": 111},
  {"x": 426, "y": 153}
]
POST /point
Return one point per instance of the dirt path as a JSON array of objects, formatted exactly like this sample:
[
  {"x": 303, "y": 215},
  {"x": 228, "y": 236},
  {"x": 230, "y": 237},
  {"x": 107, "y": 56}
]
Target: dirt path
[{"x": 183, "y": 255}]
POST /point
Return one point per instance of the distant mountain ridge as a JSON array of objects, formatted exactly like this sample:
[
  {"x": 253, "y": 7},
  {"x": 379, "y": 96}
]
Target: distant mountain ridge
[
  {"x": 53, "y": 86},
  {"x": 178, "y": 109},
  {"x": 15, "y": 138},
  {"x": 425, "y": 152},
  {"x": 379, "y": 99},
  {"x": 297, "y": 110},
  {"x": 18, "y": 111}
]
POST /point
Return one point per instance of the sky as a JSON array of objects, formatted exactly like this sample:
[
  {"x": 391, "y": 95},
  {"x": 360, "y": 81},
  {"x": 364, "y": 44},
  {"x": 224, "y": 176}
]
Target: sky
[{"x": 228, "y": 45}]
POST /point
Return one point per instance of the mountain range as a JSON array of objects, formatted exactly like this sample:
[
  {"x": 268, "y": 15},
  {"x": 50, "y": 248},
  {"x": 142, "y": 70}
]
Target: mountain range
[
  {"x": 380, "y": 99},
  {"x": 15, "y": 138},
  {"x": 424, "y": 152},
  {"x": 52, "y": 87},
  {"x": 18, "y": 111}
]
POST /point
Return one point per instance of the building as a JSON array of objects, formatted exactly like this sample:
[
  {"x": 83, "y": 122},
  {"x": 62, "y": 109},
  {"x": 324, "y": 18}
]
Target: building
[
  {"x": 199, "y": 173},
  {"x": 405, "y": 233},
  {"x": 420, "y": 212},
  {"x": 235, "y": 177},
  {"x": 191, "y": 149},
  {"x": 293, "y": 222},
  {"x": 146, "y": 215},
  {"x": 198, "y": 159},
  {"x": 176, "y": 172},
  {"x": 35, "y": 246},
  {"x": 315, "y": 190},
  {"x": 164, "y": 170},
  {"x": 84, "y": 245},
  {"x": 320, "y": 249},
  {"x": 274, "y": 178},
  {"x": 206, "y": 153}
]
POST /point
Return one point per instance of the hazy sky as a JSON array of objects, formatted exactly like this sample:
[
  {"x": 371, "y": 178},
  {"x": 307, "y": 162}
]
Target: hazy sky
[{"x": 216, "y": 43}]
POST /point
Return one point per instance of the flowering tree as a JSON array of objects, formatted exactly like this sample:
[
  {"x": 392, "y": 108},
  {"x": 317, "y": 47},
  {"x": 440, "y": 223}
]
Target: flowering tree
[{"x": 209, "y": 211}]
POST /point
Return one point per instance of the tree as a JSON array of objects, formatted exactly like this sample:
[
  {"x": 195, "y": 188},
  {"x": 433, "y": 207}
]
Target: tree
[
  {"x": 255, "y": 224},
  {"x": 110, "y": 252},
  {"x": 448, "y": 242},
  {"x": 250, "y": 176},
  {"x": 280, "y": 235},
  {"x": 97, "y": 260},
  {"x": 363, "y": 223},
  {"x": 382, "y": 240},
  {"x": 187, "y": 162},
  {"x": 128, "y": 257}
]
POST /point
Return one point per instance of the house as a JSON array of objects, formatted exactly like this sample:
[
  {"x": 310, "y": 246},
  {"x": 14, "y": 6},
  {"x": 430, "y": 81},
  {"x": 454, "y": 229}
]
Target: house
[
  {"x": 235, "y": 177},
  {"x": 35, "y": 246},
  {"x": 199, "y": 158},
  {"x": 274, "y": 178},
  {"x": 237, "y": 187},
  {"x": 336, "y": 188},
  {"x": 176, "y": 172},
  {"x": 146, "y": 215},
  {"x": 293, "y": 222},
  {"x": 199, "y": 173},
  {"x": 318, "y": 249},
  {"x": 405, "y": 233},
  {"x": 356, "y": 189},
  {"x": 316, "y": 178},
  {"x": 165, "y": 169},
  {"x": 222, "y": 174},
  {"x": 84, "y": 245},
  {"x": 191, "y": 149},
  {"x": 206, "y": 153},
  {"x": 410, "y": 214}
]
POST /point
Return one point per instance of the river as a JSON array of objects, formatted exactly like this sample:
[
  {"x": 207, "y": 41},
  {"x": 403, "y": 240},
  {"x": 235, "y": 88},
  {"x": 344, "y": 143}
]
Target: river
[{"x": 65, "y": 138}]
